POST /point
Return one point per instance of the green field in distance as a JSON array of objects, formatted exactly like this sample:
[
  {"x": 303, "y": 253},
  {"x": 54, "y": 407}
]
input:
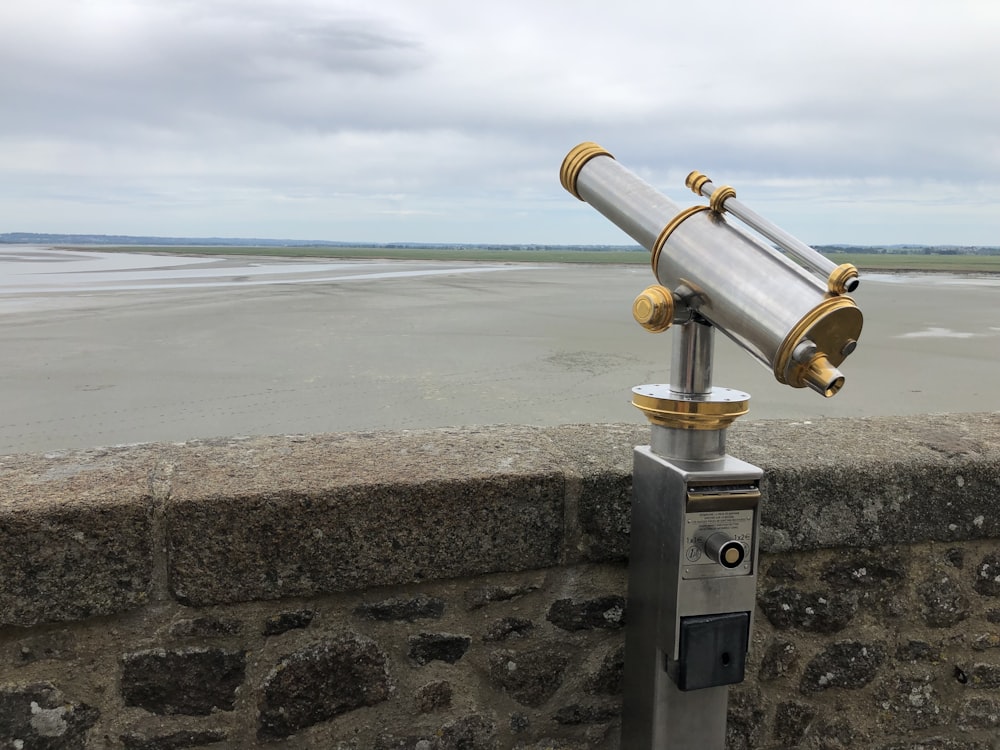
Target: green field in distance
[{"x": 864, "y": 261}]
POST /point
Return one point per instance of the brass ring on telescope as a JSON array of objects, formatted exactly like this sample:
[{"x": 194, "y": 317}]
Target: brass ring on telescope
[
  {"x": 574, "y": 161},
  {"x": 719, "y": 197},
  {"x": 715, "y": 412},
  {"x": 675, "y": 222},
  {"x": 695, "y": 180},
  {"x": 830, "y": 325},
  {"x": 837, "y": 283}
]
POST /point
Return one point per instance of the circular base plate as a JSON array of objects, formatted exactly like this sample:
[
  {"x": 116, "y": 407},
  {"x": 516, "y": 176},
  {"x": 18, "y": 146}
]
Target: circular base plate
[{"x": 710, "y": 411}]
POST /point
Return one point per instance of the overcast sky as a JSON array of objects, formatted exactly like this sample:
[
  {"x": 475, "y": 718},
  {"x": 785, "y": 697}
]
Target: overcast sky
[{"x": 857, "y": 121}]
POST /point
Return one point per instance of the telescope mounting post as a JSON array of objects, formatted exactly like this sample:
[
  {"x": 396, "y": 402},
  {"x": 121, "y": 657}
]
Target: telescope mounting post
[{"x": 692, "y": 566}]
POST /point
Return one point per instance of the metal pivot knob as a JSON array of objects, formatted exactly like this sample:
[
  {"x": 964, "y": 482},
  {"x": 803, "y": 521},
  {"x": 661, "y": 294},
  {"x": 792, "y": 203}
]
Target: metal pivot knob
[
  {"x": 653, "y": 309},
  {"x": 725, "y": 550}
]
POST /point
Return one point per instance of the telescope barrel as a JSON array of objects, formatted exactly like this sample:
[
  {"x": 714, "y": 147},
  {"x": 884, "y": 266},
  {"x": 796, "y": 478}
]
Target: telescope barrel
[
  {"x": 840, "y": 279},
  {"x": 769, "y": 305}
]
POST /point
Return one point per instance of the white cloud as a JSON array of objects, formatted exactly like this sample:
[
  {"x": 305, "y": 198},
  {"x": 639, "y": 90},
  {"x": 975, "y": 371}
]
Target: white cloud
[{"x": 463, "y": 111}]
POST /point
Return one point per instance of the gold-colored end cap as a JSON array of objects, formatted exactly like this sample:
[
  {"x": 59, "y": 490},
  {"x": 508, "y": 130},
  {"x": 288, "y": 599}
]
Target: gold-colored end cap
[
  {"x": 829, "y": 333},
  {"x": 695, "y": 180},
  {"x": 574, "y": 162},
  {"x": 667, "y": 409},
  {"x": 843, "y": 279},
  {"x": 653, "y": 309}
]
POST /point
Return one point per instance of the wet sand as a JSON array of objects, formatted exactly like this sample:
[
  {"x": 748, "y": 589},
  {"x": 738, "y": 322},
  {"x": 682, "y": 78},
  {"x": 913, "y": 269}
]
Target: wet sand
[{"x": 104, "y": 349}]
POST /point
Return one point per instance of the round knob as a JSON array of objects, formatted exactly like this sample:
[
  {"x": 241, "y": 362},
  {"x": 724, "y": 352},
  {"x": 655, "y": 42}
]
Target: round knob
[
  {"x": 653, "y": 309},
  {"x": 725, "y": 550}
]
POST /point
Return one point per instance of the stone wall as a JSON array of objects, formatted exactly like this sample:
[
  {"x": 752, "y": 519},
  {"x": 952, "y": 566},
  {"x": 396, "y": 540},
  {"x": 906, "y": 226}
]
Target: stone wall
[{"x": 464, "y": 589}]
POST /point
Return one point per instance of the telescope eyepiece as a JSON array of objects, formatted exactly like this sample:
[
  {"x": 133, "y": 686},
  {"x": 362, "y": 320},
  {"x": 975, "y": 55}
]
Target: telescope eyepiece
[{"x": 823, "y": 377}]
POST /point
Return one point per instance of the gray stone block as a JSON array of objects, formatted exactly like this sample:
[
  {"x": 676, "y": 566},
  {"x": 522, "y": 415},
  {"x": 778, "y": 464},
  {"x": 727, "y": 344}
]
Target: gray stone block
[
  {"x": 447, "y": 647},
  {"x": 402, "y": 609},
  {"x": 530, "y": 677},
  {"x": 845, "y": 664},
  {"x": 821, "y": 612},
  {"x": 322, "y": 681},
  {"x": 780, "y": 658},
  {"x": 39, "y": 716},
  {"x": 75, "y": 536},
  {"x": 190, "y": 681},
  {"x": 272, "y": 519},
  {"x": 943, "y": 603},
  {"x": 602, "y": 613}
]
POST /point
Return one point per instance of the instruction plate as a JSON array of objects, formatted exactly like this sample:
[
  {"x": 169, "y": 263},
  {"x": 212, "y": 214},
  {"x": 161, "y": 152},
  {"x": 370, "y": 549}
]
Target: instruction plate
[{"x": 737, "y": 524}]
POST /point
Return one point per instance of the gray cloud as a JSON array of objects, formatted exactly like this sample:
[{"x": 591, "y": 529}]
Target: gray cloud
[{"x": 426, "y": 121}]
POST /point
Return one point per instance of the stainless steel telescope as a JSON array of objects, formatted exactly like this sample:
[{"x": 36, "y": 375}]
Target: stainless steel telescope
[
  {"x": 796, "y": 322},
  {"x": 695, "y": 524}
]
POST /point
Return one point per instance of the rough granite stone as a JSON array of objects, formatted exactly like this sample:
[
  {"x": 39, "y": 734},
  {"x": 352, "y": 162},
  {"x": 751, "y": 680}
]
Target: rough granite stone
[
  {"x": 943, "y": 603},
  {"x": 320, "y": 682},
  {"x": 820, "y": 612},
  {"x": 959, "y": 488},
  {"x": 873, "y": 577},
  {"x": 519, "y": 722},
  {"x": 605, "y": 612},
  {"x": 447, "y": 647},
  {"x": 39, "y": 717},
  {"x": 402, "y": 609},
  {"x": 75, "y": 536},
  {"x": 605, "y": 514},
  {"x": 192, "y": 681},
  {"x": 599, "y": 457},
  {"x": 846, "y": 664},
  {"x": 744, "y": 719},
  {"x": 985, "y": 676},
  {"x": 918, "y": 651},
  {"x": 987, "y": 580},
  {"x": 791, "y": 720},
  {"x": 834, "y": 734},
  {"x": 508, "y": 627},
  {"x": 985, "y": 641},
  {"x": 979, "y": 713},
  {"x": 780, "y": 658},
  {"x": 867, "y": 569},
  {"x": 473, "y": 732},
  {"x": 285, "y": 621},
  {"x": 433, "y": 696},
  {"x": 912, "y": 704},
  {"x": 530, "y": 677},
  {"x": 271, "y": 519},
  {"x": 784, "y": 570}
]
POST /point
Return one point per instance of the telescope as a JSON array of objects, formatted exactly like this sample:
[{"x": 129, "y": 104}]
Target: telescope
[{"x": 694, "y": 537}]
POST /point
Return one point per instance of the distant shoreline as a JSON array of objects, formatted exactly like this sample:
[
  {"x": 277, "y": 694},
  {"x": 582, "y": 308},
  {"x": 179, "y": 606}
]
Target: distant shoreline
[{"x": 887, "y": 263}]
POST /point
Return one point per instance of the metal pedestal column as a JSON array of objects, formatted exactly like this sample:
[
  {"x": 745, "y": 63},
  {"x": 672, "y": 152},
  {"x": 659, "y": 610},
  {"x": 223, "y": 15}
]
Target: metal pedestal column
[{"x": 690, "y": 599}]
